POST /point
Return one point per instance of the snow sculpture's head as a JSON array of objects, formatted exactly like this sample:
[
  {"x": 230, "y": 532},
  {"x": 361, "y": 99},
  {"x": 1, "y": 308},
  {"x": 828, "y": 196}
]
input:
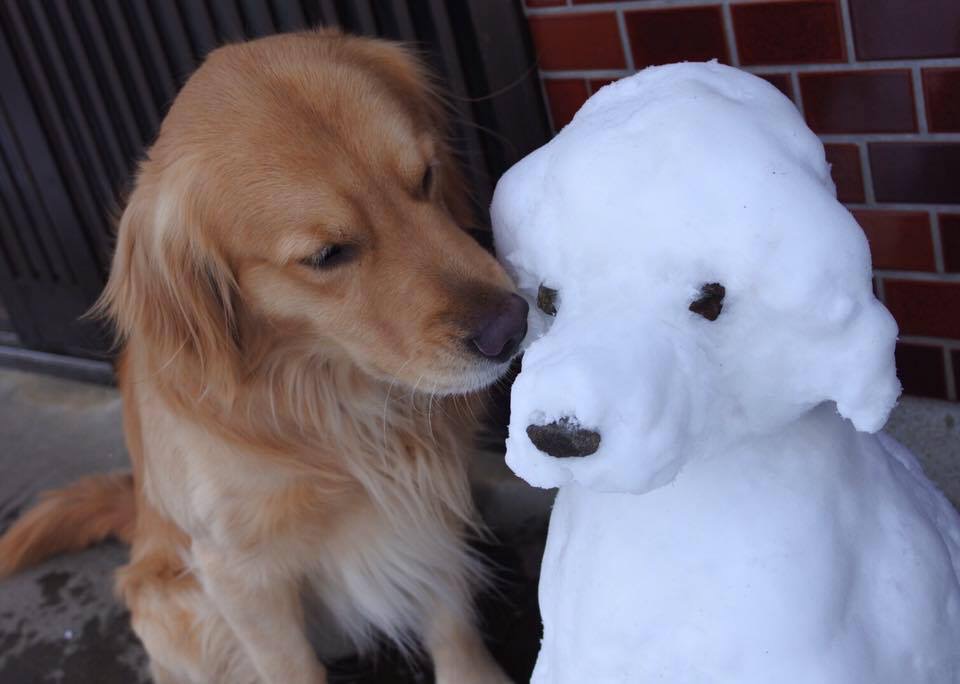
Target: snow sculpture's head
[{"x": 696, "y": 282}]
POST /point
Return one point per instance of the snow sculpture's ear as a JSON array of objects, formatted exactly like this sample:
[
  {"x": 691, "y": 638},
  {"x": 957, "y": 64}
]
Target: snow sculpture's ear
[{"x": 865, "y": 381}]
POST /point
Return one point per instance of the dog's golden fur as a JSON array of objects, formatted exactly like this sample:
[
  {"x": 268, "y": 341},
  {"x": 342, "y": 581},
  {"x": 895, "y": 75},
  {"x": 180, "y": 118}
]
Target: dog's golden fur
[{"x": 280, "y": 416}]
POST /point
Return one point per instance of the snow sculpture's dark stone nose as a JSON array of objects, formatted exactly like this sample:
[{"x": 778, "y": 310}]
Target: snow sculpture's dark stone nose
[{"x": 564, "y": 438}]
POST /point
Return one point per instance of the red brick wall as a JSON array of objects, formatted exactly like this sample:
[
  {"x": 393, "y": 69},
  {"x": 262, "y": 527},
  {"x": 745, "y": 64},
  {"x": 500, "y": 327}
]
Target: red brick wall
[{"x": 878, "y": 80}]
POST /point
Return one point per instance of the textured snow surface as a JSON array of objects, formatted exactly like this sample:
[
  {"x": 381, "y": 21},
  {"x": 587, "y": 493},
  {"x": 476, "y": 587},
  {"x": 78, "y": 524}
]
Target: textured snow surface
[{"x": 733, "y": 525}]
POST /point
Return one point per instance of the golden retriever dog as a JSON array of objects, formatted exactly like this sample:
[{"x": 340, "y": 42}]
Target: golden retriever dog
[{"x": 297, "y": 303}]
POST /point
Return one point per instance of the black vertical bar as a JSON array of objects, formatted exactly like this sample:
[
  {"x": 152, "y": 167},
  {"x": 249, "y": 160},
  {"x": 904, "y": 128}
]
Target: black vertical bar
[
  {"x": 357, "y": 16},
  {"x": 158, "y": 65},
  {"x": 13, "y": 259},
  {"x": 446, "y": 54},
  {"x": 256, "y": 18},
  {"x": 20, "y": 230},
  {"x": 20, "y": 234},
  {"x": 88, "y": 89},
  {"x": 203, "y": 36},
  {"x": 74, "y": 103},
  {"x": 130, "y": 66},
  {"x": 288, "y": 15},
  {"x": 32, "y": 124},
  {"x": 26, "y": 133},
  {"x": 124, "y": 121},
  {"x": 174, "y": 36},
  {"x": 395, "y": 20},
  {"x": 502, "y": 78},
  {"x": 328, "y": 12},
  {"x": 227, "y": 20}
]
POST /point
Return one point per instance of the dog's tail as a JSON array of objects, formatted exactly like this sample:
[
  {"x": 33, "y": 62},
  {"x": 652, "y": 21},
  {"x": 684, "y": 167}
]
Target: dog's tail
[{"x": 70, "y": 519}]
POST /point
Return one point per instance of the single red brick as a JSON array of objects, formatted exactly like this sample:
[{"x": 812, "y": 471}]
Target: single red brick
[
  {"x": 685, "y": 34},
  {"x": 859, "y": 101},
  {"x": 916, "y": 172},
  {"x": 921, "y": 370},
  {"x": 950, "y": 239},
  {"x": 845, "y": 168},
  {"x": 941, "y": 90},
  {"x": 578, "y": 41},
  {"x": 565, "y": 97},
  {"x": 791, "y": 32},
  {"x": 781, "y": 82},
  {"x": 894, "y": 29},
  {"x": 899, "y": 240},
  {"x": 923, "y": 307}
]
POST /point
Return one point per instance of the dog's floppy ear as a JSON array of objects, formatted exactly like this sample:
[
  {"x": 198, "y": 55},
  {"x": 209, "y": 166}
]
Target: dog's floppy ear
[
  {"x": 407, "y": 74},
  {"x": 168, "y": 287}
]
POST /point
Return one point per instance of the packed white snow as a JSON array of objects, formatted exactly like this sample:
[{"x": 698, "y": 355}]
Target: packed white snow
[{"x": 732, "y": 525}]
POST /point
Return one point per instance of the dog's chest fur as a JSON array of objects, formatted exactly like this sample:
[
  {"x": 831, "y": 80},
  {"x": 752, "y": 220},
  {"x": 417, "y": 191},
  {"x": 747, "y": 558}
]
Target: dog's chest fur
[{"x": 374, "y": 545}]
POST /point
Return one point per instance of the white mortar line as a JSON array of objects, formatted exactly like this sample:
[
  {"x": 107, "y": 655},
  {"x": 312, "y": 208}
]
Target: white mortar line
[
  {"x": 878, "y": 65},
  {"x": 920, "y": 103},
  {"x": 867, "y": 172},
  {"x": 815, "y": 68},
  {"x": 937, "y": 243},
  {"x": 890, "y": 137},
  {"x": 931, "y": 341},
  {"x": 546, "y": 103},
  {"x": 918, "y": 276},
  {"x": 881, "y": 290},
  {"x": 585, "y": 73},
  {"x": 907, "y": 206},
  {"x": 847, "y": 26},
  {"x": 625, "y": 42},
  {"x": 797, "y": 93},
  {"x": 729, "y": 35},
  {"x": 613, "y": 6}
]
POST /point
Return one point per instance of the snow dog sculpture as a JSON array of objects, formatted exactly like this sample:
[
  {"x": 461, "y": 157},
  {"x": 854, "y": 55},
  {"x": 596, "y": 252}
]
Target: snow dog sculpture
[{"x": 704, "y": 378}]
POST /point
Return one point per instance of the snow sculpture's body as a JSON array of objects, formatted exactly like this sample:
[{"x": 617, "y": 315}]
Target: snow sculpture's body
[{"x": 733, "y": 526}]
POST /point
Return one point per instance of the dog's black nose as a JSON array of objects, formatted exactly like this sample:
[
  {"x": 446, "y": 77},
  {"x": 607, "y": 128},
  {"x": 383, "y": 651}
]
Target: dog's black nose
[
  {"x": 564, "y": 438},
  {"x": 502, "y": 331}
]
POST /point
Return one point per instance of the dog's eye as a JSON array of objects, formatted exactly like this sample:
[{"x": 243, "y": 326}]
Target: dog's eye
[
  {"x": 709, "y": 303},
  {"x": 329, "y": 256},
  {"x": 547, "y": 300},
  {"x": 427, "y": 183}
]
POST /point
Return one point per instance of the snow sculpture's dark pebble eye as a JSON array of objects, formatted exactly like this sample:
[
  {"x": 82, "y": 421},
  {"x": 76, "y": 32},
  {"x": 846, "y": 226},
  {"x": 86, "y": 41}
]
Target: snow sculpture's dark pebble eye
[
  {"x": 547, "y": 300},
  {"x": 709, "y": 303}
]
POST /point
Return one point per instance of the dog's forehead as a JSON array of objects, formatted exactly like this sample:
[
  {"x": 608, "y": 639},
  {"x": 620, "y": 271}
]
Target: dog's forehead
[{"x": 303, "y": 109}]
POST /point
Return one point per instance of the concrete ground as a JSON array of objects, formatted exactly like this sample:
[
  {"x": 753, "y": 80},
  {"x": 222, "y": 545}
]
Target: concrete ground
[{"x": 60, "y": 624}]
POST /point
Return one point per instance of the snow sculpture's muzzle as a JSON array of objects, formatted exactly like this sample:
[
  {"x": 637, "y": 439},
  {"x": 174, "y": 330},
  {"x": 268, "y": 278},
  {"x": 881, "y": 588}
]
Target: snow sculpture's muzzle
[{"x": 613, "y": 419}]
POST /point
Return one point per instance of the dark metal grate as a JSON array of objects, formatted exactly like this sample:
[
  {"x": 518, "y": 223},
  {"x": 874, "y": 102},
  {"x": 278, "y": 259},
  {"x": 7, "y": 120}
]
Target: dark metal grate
[{"x": 84, "y": 85}]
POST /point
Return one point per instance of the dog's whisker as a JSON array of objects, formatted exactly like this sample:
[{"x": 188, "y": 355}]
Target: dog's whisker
[
  {"x": 386, "y": 400},
  {"x": 432, "y": 396}
]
